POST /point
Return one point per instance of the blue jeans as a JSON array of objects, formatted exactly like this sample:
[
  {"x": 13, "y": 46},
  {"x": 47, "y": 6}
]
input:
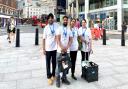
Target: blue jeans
[{"x": 59, "y": 67}]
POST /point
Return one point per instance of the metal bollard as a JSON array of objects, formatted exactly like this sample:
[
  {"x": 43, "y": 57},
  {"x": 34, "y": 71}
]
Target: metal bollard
[
  {"x": 37, "y": 37},
  {"x": 104, "y": 37},
  {"x": 18, "y": 38},
  {"x": 123, "y": 38}
]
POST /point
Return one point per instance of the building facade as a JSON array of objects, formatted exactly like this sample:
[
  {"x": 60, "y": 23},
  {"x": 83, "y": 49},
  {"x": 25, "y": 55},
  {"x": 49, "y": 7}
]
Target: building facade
[
  {"x": 115, "y": 11},
  {"x": 49, "y": 6},
  {"x": 61, "y": 9},
  {"x": 36, "y": 7},
  {"x": 7, "y": 9},
  {"x": 29, "y": 8}
]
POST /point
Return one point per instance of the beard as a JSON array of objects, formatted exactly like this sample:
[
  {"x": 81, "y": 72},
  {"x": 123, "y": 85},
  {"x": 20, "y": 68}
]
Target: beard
[
  {"x": 50, "y": 22},
  {"x": 65, "y": 24}
]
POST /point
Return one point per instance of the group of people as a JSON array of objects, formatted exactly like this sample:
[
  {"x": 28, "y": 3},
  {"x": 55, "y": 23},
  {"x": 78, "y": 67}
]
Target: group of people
[
  {"x": 63, "y": 40},
  {"x": 97, "y": 30}
]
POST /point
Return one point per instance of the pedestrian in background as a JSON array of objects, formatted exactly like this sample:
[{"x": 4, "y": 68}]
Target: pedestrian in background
[
  {"x": 92, "y": 29},
  {"x": 50, "y": 47},
  {"x": 73, "y": 47},
  {"x": 124, "y": 26},
  {"x": 8, "y": 29},
  {"x": 12, "y": 30},
  {"x": 77, "y": 24},
  {"x": 97, "y": 30}
]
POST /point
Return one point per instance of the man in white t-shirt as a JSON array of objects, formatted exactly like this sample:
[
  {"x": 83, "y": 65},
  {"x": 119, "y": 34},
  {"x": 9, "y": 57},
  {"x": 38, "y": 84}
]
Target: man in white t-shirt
[
  {"x": 50, "y": 47},
  {"x": 64, "y": 41}
]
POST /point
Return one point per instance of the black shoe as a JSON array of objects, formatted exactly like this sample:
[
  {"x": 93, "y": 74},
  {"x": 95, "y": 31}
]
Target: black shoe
[
  {"x": 58, "y": 82},
  {"x": 82, "y": 76},
  {"x": 9, "y": 41},
  {"x": 74, "y": 77},
  {"x": 65, "y": 80}
]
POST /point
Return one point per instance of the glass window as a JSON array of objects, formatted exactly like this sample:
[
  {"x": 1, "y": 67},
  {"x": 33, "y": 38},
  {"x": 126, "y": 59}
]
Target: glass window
[
  {"x": 107, "y": 3},
  {"x": 111, "y": 14},
  {"x": 81, "y": 7},
  {"x": 126, "y": 15},
  {"x": 94, "y": 4},
  {"x": 111, "y": 2},
  {"x": 103, "y": 3},
  {"x": 125, "y": 1},
  {"x": 115, "y": 2}
]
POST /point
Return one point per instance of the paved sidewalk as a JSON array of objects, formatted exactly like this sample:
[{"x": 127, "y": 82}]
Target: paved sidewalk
[
  {"x": 116, "y": 32},
  {"x": 24, "y": 67}
]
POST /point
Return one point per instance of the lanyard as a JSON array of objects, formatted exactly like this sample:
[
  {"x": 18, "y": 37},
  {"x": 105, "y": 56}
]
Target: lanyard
[
  {"x": 73, "y": 32},
  {"x": 83, "y": 32},
  {"x": 65, "y": 31},
  {"x": 52, "y": 29}
]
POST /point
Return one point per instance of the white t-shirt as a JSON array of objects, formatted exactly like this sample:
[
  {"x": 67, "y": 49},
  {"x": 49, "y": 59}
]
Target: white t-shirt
[
  {"x": 74, "y": 45},
  {"x": 65, "y": 33},
  {"x": 86, "y": 35},
  {"x": 49, "y": 36},
  {"x": 12, "y": 24}
]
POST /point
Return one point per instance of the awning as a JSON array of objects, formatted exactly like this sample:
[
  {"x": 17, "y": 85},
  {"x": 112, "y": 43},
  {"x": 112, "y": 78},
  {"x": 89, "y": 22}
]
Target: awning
[{"x": 4, "y": 16}]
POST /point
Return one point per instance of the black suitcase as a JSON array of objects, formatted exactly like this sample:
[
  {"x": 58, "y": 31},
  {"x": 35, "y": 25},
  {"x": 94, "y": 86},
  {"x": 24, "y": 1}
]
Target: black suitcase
[{"x": 90, "y": 73}]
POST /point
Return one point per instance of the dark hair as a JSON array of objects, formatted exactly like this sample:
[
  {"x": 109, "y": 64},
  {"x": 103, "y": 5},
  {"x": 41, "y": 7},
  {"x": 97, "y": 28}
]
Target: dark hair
[
  {"x": 50, "y": 15},
  {"x": 12, "y": 17},
  {"x": 77, "y": 19},
  {"x": 65, "y": 17},
  {"x": 73, "y": 19},
  {"x": 107, "y": 16},
  {"x": 84, "y": 20}
]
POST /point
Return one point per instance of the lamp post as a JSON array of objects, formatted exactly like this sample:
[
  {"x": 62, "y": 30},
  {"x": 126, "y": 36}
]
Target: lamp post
[
  {"x": 123, "y": 26},
  {"x": 18, "y": 16}
]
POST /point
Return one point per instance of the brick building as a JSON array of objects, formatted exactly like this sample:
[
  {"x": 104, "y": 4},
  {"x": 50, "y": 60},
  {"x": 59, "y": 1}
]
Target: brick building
[{"x": 7, "y": 9}]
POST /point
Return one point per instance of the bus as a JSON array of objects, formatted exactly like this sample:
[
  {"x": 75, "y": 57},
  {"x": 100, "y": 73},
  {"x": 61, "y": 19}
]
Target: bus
[{"x": 34, "y": 21}]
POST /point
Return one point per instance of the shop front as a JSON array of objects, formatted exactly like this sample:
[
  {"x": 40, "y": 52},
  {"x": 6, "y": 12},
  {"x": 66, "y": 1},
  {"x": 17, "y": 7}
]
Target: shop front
[{"x": 109, "y": 17}]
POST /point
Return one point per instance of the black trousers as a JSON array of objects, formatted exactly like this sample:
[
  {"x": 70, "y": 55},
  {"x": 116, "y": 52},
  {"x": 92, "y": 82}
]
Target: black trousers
[
  {"x": 50, "y": 57},
  {"x": 85, "y": 55},
  {"x": 73, "y": 56}
]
